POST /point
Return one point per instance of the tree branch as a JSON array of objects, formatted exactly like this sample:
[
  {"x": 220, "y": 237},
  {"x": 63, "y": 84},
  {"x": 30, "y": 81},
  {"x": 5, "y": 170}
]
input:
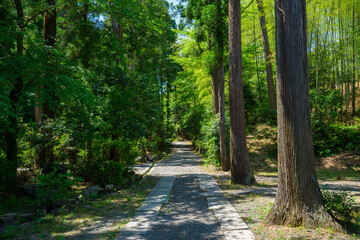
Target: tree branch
[
  {"x": 247, "y": 6},
  {"x": 41, "y": 12}
]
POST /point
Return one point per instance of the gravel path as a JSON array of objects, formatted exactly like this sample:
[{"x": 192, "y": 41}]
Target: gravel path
[
  {"x": 186, "y": 216},
  {"x": 186, "y": 204}
]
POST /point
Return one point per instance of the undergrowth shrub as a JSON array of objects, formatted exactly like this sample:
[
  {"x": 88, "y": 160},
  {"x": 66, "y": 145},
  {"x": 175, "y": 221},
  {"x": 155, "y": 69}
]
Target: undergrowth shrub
[
  {"x": 211, "y": 140},
  {"x": 99, "y": 171},
  {"x": 334, "y": 138},
  {"x": 339, "y": 204},
  {"x": 3, "y": 165},
  {"x": 326, "y": 105},
  {"x": 55, "y": 186}
]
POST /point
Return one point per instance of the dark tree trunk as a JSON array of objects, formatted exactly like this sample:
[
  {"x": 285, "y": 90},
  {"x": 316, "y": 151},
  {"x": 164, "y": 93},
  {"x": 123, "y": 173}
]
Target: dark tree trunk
[
  {"x": 168, "y": 88},
  {"x": 268, "y": 56},
  {"x": 50, "y": 24},
  {"x": 214, "y": 84},
  {"x": 118, "y": 31},
  {"x": 46, "y": 155},
  {"x": 114, "y": 151},
  {"x": 298, "y": 200},
  {"x": 12, "y": 134},
  {"x": 176, "y": 113},
  {"x": 215, "y": 90},
  {"x": 219, "y": 70},
  {"x": 84, "y": 32},
  {"x": 224, "y": 156},
  {"x": 353, "y": 92},
  {"x": 239, "y": 158}
]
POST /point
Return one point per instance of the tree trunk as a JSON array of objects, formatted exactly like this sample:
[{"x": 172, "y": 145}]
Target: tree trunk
[
  {"x": 268, "y": 57},
  {"x": 224, "y": 156},
  {"x": 298, "y": 200},
  {"x": 219, "y": 70},
  {"x": 353, "y": 93},
  {"x": 239, "y": 158},
  {"x": 118, "y": 31},
  {"x": 114, "y": 151},
  {"x": 11, "y": 135},
  {"x": 168, "y": 88},
  {"x": 84, "y": 32},
  {"x": 176, "y": 113},
  {"x": 214, "y": 85},
  {"x": 46, "y": 155}
]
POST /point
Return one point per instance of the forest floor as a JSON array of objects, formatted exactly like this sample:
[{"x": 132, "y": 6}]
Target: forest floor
[
  {"x": 340, "y": 172},
  {"x": 105, "y": 217}
]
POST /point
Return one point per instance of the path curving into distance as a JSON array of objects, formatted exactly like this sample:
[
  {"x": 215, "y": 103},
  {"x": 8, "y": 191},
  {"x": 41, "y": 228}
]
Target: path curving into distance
[{"x": 186, "y": 203}]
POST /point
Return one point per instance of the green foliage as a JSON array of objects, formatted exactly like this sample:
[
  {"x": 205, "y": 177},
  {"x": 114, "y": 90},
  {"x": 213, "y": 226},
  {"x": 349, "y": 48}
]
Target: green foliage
[
  {"x": 10, "y": 232},
  {"x": 211, "y": 140},
  {"x": 339, "y": 204},
  {"x": 3, "y": 170},
  {"x": 326, "y": 105},
  {"x": 192, "y": 122},
  {"x": 334, "y": 138},
  {"x": 99, "y": 171},
  {"x": 55, "y": 186},
  {"x": 14, "y": 202}
]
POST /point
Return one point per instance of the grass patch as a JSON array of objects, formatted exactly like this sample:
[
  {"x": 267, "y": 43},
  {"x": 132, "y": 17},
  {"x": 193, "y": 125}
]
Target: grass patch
[
  {"x": 330, "y": 174},
  {"x": 15, "y": 204},
  {"x": 116, "y": 209},
  {"x": 262, "y": 210}
]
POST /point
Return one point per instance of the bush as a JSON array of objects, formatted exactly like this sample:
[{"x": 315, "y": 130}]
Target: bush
[
  {"x": 327, "y": 104},
  {"x": 55, "y": 186},
  {"x": 211, "y": 140},
  {"x": 127, "y": 151},
  {"x": 3, "y": 164},
  {"x": 192, "y": 122},
  {"x": 100, "y": 171},
  {"x": 334, "y": 138},
  {"x": 339, "y": 204}
]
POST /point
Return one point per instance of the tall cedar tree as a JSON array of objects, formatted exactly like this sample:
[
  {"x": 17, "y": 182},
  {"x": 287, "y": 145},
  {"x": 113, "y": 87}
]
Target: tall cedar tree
[
  {"x": 12, "y": 134},
  {"x": 219, "y": 73},
  {"x": 118, "y": 32},
  {"x": 239, "y": 157},
  {"x": 298, "y": 199},
  {"x": 267, "y": 55},
  {"x": 46, "y": 155}
]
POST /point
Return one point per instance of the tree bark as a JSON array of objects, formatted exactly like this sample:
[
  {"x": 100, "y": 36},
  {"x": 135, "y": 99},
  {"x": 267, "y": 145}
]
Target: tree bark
[
  {"x": 114, "y": 151},
  {"x": 168, "y": 88},
  {"x": 219, "y": 70},
  {"x": 214, "y": 84},
  {"x": 46, "y": 155},
  {"x": 11, "y": 135},
  {"x": 298, "y": 200},
  {"x": 224, "y": 156},
  {"x": 50, "y": 25},
  {"x": 353, "y": 93},
  {"x": 49, "y": 40},
  {"x": 118, "y": 31},
  {"x": 268, "y": 57},
  {"x": 239, "y": 158}
]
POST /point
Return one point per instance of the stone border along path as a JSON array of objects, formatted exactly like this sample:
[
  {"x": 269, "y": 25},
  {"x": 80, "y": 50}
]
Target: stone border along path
[
  {"x": 232, "y": 225},
  {"x": 230, "y": 222}
]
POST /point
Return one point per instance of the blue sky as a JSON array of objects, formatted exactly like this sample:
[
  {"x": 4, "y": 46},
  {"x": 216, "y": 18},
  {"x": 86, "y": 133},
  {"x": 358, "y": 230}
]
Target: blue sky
[{"x": 173, "y": 1}]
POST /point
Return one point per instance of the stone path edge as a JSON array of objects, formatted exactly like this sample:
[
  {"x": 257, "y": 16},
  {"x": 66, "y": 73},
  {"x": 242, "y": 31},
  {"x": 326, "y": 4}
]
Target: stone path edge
[
  {"x": 231, "y": 223},
  {"x": 143, "y": 173},
  {"x": 149, "y": 209}
]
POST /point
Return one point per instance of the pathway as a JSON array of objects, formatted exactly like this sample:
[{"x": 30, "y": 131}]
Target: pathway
[{"x": 185, "y": 204}]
